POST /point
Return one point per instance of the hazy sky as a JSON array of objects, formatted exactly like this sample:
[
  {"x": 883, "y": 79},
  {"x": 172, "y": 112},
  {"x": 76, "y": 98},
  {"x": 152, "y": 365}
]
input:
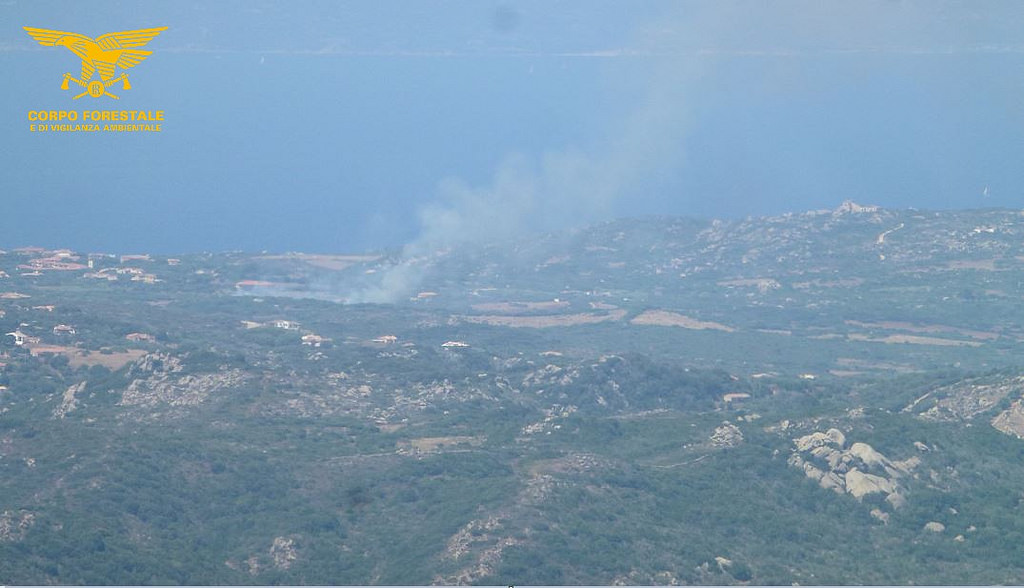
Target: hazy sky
[{"x": 340, "y": 126}]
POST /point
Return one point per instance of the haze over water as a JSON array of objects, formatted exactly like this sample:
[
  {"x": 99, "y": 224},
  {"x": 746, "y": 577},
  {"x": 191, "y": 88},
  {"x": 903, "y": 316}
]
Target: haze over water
[{"x": 326, "y": 126}]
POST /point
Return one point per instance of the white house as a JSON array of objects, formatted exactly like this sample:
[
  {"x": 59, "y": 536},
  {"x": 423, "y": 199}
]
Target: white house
[{"x": 314, "y": 340}]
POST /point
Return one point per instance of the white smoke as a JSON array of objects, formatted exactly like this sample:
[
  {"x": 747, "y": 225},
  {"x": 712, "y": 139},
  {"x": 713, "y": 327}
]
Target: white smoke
[
  {"x": 578, "y": 184},
  {"x": 529, "y": 194}
]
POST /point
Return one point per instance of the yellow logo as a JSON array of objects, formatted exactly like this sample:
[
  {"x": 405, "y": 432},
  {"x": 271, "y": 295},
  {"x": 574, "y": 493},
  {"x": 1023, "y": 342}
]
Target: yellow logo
[{"x": 104, "y": 54}]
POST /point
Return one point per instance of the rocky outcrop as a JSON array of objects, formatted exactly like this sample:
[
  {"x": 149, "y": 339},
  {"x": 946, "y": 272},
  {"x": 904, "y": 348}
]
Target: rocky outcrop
[
  {"x": 851, "y": 207},
  {"x": 726, "y": 435},
  {"x": 154, "y": 363},
  {"x": 551, "y": 419},
  {"x": 14, "y": 525},
  {"x": 550, "y": 375},
  {"x": 1011, "y": 420},
  {"x": 482, "y": 541},
  {"x": 859, "y": 470},
  {"x": 253, "y": 565},
  {"x": 478, "y": 547},
  {"x": 880, "y": 515},
  {"x": 965, "y": 400},
  {"x": 185, "y": 391},
  {"x": 156, "y": 381},
  {"x": 860, "y": 484},
  {"x": 69, "y": 402},
  {"x": 819, "y": 439},
  {"x": 282, "y": 552}
]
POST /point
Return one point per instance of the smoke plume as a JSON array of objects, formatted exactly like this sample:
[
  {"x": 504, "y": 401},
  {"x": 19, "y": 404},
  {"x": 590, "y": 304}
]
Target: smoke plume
[
  {"x": 533, "y": 193},
  {"x": 576, "y": 184}
]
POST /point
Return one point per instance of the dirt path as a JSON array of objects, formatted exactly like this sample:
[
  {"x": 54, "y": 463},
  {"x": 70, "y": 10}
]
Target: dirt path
[{"x": 881, "y": 238}]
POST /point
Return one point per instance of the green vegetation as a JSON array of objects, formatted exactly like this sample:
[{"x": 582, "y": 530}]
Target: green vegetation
[{"x": 182, "y": 435}]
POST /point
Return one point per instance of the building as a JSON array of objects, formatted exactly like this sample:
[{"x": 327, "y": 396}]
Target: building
[
  {"x": 103, "y": 274},
  {"x": 52, "y": 263},
  {"x": 252, "y": 284},
  {"x": 735, "y": 397},
  {"x": 454, "y": 344},
  {"x": 64, "y": 330},
  {"x": 19, "y": 337},
  {"x": 283, "y": 324},
  {"x": 386, "y": 339},
  {"x": 314, "y": 340}
]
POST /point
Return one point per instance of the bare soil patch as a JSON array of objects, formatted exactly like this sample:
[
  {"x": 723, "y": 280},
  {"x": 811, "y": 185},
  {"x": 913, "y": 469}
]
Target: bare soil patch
[
  {"x": 434, "y": 444},
  {"x": 972, "y": 264},
  {"x": 902, "y": 326},
  {"x": 520, "y": 307},
  {"x": 763, "y": 283},
  {"x": 841, "y": 283},
  {"x": 666, "y": 318},
  {"x": 331, "y": 262},
  {"x": 914, "y": 340},
  {"x": 78, "y": 357},
  {"x": 852, "y": 364},
  {"x": 544, "y": 321}
]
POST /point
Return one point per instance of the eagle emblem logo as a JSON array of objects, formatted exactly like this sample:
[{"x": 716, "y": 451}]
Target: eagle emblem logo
[{"x": 104, "y": 54}]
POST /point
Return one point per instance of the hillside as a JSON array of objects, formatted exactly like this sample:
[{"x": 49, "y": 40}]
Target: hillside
[{"x": 830, "y": 397}]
